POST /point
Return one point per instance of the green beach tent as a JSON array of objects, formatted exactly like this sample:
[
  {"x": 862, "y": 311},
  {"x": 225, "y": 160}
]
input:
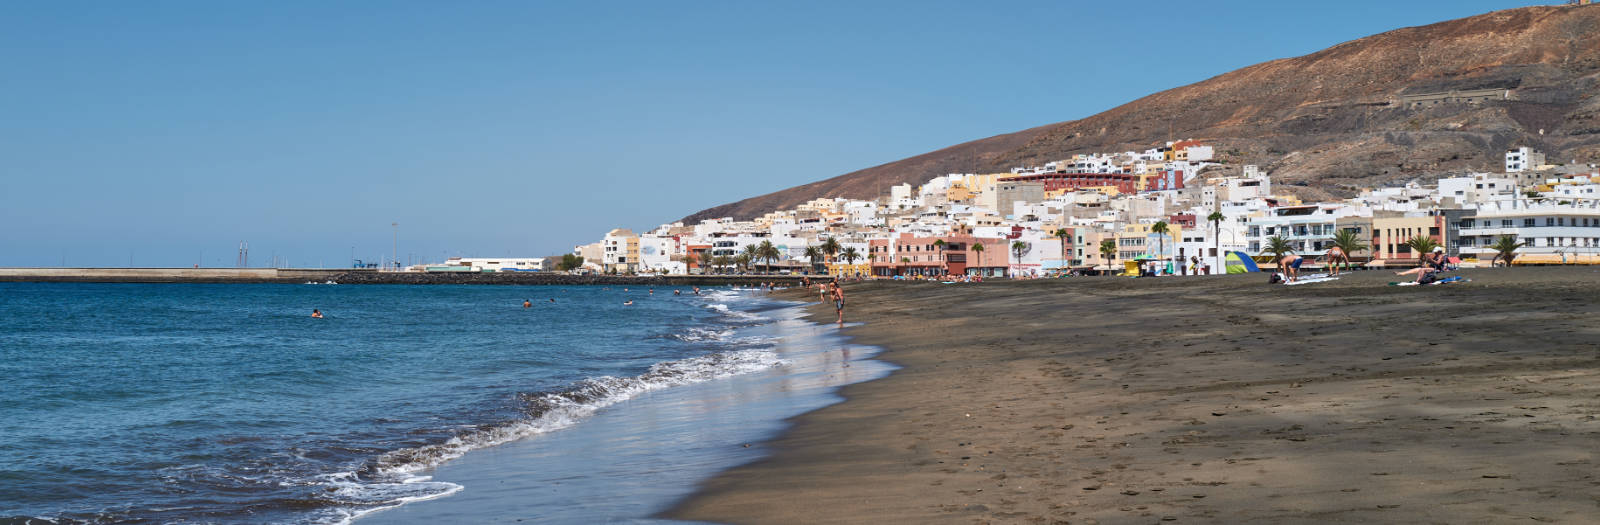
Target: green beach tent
[{"x": 1238, "y": 262}]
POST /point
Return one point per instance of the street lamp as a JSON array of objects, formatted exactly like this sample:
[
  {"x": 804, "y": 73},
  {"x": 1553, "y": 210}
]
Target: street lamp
[
  {"x": 1233, "y": 237},
  {"x": 395, "y": 255}
]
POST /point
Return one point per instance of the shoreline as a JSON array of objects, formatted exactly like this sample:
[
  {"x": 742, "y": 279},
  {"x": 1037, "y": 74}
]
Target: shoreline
[
  {"x": 361, "y": 276},
  {"x": 1210, "y": 399},
  {"x": 628, "y": 461}
]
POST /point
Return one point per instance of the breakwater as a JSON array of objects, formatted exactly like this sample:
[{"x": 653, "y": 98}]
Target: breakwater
[{"x": 362, "y": 276}]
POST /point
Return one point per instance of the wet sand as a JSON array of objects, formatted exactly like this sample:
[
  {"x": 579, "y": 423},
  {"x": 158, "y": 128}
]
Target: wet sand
[{"x": 1213, "y": 399}]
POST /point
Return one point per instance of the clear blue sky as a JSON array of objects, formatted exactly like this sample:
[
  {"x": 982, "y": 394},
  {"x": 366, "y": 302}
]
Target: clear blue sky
[{"x": 166, "y": 132}]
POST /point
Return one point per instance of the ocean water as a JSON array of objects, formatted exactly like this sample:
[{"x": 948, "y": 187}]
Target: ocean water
[{"x": 138, "y": 403}]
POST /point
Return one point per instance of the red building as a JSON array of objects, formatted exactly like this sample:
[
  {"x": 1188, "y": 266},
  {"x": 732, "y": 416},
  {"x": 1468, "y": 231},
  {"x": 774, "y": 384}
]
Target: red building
[
  {"x": 908, "y": 255},
  {"x": 1123, "y": 182}
]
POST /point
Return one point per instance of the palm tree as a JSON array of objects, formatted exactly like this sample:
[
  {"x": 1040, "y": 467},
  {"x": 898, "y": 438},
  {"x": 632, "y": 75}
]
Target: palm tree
[
  {"x": 1349, "y": 243},
  {"x": 751, "y": 252},
  {"x": 743, "y": 260},
  {"x": 831, "y": 247},
  {"x": 768, "y": 252},
  {"x": 850, "y": 255},
  {"x": 1063, "y": 233},
  {"x": 1505, "y": 249},
  {"x": 812, "y": 254},
  {"x": 1278, "y": 247},
  {"x": 722, "y": 261},
  {"x": 940, "y": 244},
  {"x": 706, "y": 258},
  {"x": 1160, "y": 229},
  {"x": 1215, "y": 219},
  {"x": 1422, "y": 244},
  {"x": 1018, "y": 248},
  {"x": 1108, "y": 250},
  {"x": 977, "y": 251}
]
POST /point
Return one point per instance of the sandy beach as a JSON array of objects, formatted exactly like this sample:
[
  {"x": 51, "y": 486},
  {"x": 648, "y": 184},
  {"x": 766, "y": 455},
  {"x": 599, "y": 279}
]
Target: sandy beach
[{"x": 1212, "y": 399}]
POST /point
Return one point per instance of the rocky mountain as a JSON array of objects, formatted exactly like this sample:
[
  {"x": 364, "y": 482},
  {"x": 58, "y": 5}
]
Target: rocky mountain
[{"x": 1359, "y": 114}]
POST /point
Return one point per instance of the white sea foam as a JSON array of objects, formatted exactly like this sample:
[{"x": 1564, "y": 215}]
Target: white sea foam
[
  {"x": 559, "y": 410},
  {"x": 550, "y": 412},
  {"x": 697, "y": 334}
]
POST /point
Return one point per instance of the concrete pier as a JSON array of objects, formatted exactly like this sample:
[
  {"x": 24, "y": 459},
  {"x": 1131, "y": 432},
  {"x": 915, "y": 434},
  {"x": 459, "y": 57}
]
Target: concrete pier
[{"x": 367, "y": 276}]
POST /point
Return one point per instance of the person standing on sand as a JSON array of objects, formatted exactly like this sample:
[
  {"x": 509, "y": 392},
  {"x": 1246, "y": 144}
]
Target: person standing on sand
[
  {"x": 822, "y": 292},
  {"x": 838, "y": 302}
]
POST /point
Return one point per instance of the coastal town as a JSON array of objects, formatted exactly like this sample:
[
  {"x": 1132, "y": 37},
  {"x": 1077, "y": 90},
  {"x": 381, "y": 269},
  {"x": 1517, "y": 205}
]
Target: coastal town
[{"x": 1168, "y": 210}]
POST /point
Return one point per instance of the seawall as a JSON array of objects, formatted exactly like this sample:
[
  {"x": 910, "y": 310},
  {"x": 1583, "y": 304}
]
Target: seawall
[{"x": 362, "y": 276}]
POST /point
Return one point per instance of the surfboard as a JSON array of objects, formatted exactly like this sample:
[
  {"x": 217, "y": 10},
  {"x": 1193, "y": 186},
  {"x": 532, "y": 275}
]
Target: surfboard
[{"x": 1304, "y": 280}]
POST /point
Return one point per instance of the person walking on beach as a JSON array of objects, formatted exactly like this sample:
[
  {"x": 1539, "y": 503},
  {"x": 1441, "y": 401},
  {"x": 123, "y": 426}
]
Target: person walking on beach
[
  {"x": 838, "y": 302},
  {"x": 822, "y": 292}
]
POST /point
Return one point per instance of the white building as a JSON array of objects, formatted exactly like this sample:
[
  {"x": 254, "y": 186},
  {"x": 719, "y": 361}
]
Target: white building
[
  {"x": 1309, "y": 228},
  {"x": 1523, "y": 159},
  {"x": 1477, "y": 188},
  {"x": 1553, "y": 231},
  {"x": 499, "y": 264}
]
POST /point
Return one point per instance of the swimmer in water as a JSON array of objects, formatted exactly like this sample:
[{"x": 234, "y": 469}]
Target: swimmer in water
[
  {"x": 527, "y": 303},
  {"x": 552, "y": 299},
  {"x": 677, "y": 292},
  {"x": 628, "y": 303},
  {"x": 316, "y": 314}
]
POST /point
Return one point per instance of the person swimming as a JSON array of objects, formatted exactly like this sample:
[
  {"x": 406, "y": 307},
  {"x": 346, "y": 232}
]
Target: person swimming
[
  {"x": 677, "y": 292},
  {"x": 552, "y": 299},
  {"x": 628, "y": 302},
  {"x": 316, "y": 314},
  {"x": 526, "y": 303}
]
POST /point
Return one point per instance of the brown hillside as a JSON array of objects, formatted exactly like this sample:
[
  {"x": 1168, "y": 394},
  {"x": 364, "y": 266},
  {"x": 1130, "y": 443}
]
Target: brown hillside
[{"x": 1325, "y": 123}]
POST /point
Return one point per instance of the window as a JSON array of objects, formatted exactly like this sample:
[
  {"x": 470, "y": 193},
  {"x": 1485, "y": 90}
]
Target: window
[
  {"x": 1528, "y": 223},
  {"x": 1561, "y": 221},
  {"x": 1505, "y": 223},
  {"x": 1549, "y": 221},
  {"x": 1466, "y": 223},
  {"x": 1433, "y": 230}
]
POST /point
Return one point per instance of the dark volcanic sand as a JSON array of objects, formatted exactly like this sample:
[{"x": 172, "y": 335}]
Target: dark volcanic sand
[{"x": 1212, "y": 399}]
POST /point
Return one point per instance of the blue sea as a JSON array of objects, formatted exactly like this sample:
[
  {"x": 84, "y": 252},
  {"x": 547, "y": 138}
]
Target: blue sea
[{"x": 229, "y": 403}]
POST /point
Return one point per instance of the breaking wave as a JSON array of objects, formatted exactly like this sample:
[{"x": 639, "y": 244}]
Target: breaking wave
[{"x": 388, "y": 480}]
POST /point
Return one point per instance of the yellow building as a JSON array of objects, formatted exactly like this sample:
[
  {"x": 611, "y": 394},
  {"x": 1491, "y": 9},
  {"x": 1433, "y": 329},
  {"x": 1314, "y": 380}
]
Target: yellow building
[
  {"x": 1390, "y": 234},
  {"x": 1135, "y": 240},
  {"x": 621, "y": 253},
  {"x": 860, "y": 270},
  {"x": 973, "y": 187}
]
